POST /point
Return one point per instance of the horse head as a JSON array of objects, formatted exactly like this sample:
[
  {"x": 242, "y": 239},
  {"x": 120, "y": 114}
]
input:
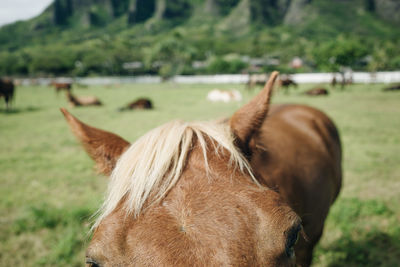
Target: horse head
[{"x": 184, "y": 194}]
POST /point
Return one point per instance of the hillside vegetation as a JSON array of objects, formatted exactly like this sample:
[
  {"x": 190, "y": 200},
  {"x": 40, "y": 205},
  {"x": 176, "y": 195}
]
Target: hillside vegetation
[{"x": 98, "y": 37}]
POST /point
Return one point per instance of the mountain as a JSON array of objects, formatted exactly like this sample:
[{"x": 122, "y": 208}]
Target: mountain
[{"x": 99, "y": 37}]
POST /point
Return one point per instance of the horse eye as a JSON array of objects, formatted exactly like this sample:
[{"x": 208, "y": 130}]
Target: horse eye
[
  {"x": 91, "y": 263},
  {"x": 292, "y": 238}
]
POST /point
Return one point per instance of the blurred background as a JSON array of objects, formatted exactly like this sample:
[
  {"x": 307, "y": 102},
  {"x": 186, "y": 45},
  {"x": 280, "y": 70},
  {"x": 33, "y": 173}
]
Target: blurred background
[
  {"x": 133, "y": 37},
  {"x": 127, "y": 66}
]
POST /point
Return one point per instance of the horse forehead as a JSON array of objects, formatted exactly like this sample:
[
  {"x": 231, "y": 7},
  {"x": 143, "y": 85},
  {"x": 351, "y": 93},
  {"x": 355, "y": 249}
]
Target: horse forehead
[
  {"x": 192, "y": 203},
  {"x": 201, "y": 194},
  {"x": 244, "y": 216}
]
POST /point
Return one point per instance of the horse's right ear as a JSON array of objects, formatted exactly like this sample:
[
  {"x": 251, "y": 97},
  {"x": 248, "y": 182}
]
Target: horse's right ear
[
  {"x": 103, "y": 147},
  {"x": 249, "y": 118}
]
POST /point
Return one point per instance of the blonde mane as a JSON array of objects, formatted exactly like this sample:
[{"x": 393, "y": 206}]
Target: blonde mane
[{"x": 151, "y": 166}]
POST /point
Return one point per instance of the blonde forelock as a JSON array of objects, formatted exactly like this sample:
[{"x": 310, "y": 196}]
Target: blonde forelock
[{"x": 154, "y": 163}]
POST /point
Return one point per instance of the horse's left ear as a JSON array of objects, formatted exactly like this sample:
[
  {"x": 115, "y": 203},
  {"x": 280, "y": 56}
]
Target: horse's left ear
[
  {"x": 249, "y": 118},
  {"x": 103, "y": 147}
]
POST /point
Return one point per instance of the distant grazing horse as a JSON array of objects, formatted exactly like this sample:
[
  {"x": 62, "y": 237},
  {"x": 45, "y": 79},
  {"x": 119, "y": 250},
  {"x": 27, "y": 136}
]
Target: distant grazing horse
[
  {"x": 285, "y": 82},
  {"x": 348, "y": 81},
  {"x": 7, "y": 91},
  {"x": 395, "y": 87},
  {"x": 76, "y": 101},
  {"x": 216, "y": 194},
  {"x": 333, "y": 81},
  {"x": 317, "y": 91},
  {"x": 140, "y": 103},
  {"x": 256, "y": 79},
  {"x": 62, "y": 86}
]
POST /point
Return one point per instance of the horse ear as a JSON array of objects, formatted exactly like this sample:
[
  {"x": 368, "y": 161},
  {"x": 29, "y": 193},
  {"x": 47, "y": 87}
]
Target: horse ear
[
  {"x": 249, "y": 118},
  {"x": 103, "y": 147}
]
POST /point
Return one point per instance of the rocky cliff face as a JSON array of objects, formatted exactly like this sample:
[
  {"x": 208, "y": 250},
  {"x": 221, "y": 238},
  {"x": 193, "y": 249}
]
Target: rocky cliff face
[
  {"x": 266, "y": 12},
  {"x": 295, "y": 12},
  {"x": 141, "y": 10},
  {"x": 388, "y": 10},
  {"x": 96, "y": 12}
]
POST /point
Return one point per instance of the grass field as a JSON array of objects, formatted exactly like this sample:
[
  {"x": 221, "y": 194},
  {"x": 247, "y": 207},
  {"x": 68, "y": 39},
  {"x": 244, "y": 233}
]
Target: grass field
[{"x": 49, "y": 189}]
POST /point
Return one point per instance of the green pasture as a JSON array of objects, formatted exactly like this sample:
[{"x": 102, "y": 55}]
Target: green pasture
[{"x": 49, "y": 188}]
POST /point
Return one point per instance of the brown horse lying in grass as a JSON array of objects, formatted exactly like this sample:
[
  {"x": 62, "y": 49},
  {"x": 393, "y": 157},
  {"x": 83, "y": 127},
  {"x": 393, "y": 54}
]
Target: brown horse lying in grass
[
  {"x": 76, "y": 101},
  {"x": 140, "y": 103},
  {"x": 317, "y": 91},
  {"x": 394, "y": 87},
  {"x": 7, "y": 91},
  {"x": 214, "y": 194}
]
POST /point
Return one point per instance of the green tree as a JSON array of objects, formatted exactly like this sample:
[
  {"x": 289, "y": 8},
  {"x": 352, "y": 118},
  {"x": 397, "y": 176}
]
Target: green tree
[
  {"x": 98, "y": 16},
  {"x": 342, "y": 52},
  {"x": 55, "y": 62},
  {"x": 221, "y": 65},
  {"x": 173, "y": 54}
]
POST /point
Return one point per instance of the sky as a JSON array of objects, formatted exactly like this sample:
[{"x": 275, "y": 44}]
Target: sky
[{"x": 13, "y": 10}]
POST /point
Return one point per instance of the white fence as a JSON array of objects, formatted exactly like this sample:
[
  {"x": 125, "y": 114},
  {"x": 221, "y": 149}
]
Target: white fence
[{"x": 358, "y": 77}]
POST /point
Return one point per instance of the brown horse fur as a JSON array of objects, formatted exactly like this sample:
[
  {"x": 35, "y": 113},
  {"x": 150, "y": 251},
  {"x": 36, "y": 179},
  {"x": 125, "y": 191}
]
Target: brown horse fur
[
  {"x": 317, "y": 91},
  {"x": 105, "y": 154},
  {"x": 223, "y": 218},
  {"x": 7, "y": 91},
  {"x": 140, "y": 103},
  {"x": 62, "y": 86},
  {"x": 82, "y": 100}
]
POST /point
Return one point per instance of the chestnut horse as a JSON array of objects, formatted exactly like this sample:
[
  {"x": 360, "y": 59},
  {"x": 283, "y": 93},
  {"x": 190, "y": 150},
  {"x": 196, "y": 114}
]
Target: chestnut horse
[
  {"x": 216, "y": 194},
  {"x": 285, "y": 82},
  {"x": 66, "y": 86}
]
